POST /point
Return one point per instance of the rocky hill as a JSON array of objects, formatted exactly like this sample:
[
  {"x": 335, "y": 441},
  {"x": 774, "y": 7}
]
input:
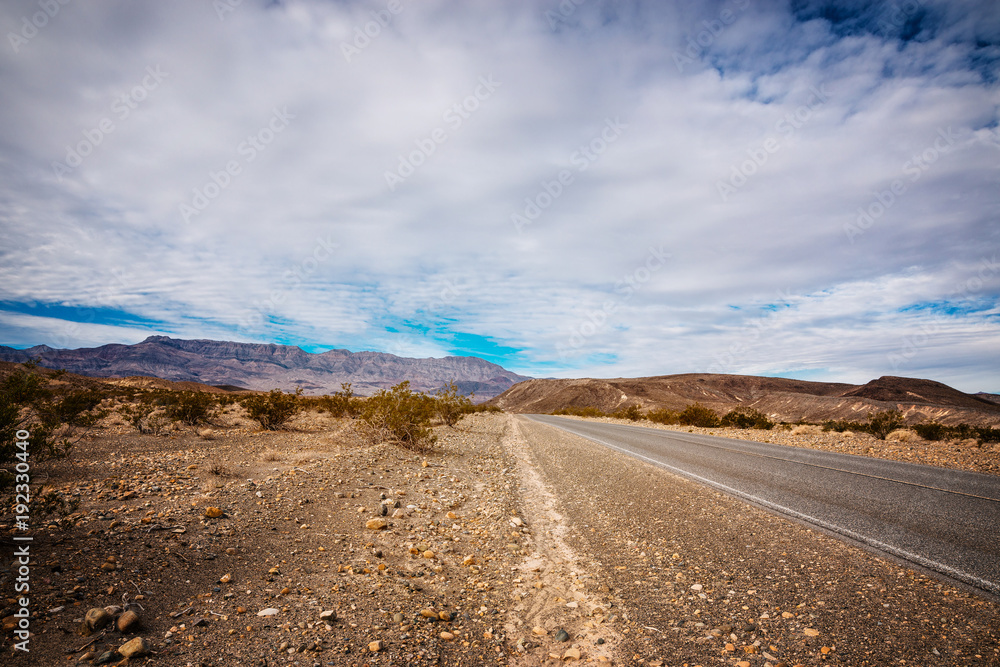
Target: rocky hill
[
  {"x": 783, "y": 399},
  {"x": 264, "y": 367}
]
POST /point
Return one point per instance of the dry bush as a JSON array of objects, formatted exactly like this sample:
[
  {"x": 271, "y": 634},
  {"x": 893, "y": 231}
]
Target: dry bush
[
  {"x": 807, "y": 429},
  {"x": 903, "y": 435},
  {"x": 219, "y": 469},
  {"x": 270, "y": 454}
]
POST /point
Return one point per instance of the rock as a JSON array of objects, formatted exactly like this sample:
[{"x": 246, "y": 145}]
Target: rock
[
  {"x": 786, "y": 614},
  {"x": 213, "y": 512},
  {"x": 428, "y": 613},
  {"x": 539, "y": 630},
  {"x": 571, "y": 654},
  {"x": 270, "y": 611},
  {"x": 447, "y": 636},
  {"x": 376, "y": 646},
  {"x": 429, "y": 554},
  {"x": 135, "y": 648},
  {"x": 128, "y": 622},
  {"x": 398, "y": 618},
  {"x": 697, "y": 588},
  {"x": 106, "y": 658},
  {"x": 516, "y": 522},
  {"x": 809, "y": 632},
  {"x": 452, "y": 516},
  {"x": 562, "y": 635},
  {"x": 469, "y": 560},
  {"x": 399, "y": 514},
  {"x": 376, "y": 524},
  {"x": 329, "y": 615},
  {"x": 87, "y": 657},
  {"x": 445, "y": 616},
  {"x": 95, "y": 620},
  {"x": 226, "y": 578}
]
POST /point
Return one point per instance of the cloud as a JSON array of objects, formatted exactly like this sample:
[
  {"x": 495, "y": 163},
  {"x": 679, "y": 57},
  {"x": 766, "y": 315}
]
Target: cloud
[{"x": 841, "y": 155}]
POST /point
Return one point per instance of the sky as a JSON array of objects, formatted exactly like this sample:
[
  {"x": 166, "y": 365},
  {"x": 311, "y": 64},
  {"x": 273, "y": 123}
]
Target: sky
[{"x": 574, "y": 188}]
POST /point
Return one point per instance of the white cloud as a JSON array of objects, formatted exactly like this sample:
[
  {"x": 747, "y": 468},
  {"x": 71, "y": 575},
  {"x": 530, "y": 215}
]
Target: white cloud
[{"x": 439, "y": 255}]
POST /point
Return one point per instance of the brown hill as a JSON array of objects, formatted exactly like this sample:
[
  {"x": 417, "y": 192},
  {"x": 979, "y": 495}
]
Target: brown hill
[{"x": 781, "y": 398}]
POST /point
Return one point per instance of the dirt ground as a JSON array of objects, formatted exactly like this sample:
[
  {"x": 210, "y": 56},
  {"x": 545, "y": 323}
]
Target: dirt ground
[{"x": 506, "y": 546}]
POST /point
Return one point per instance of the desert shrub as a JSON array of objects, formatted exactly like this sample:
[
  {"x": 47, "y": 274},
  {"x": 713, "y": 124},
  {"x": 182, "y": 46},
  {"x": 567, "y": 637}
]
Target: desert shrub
[
  {"x": 903, "y": 435},
  {"x": 74, "y": 408},
  {"x": 747, "y": 418},
  {"x": 26, "y": 404},
  {"x": 190, "y": 407},
  {"x": 483, "y": 407},
  {"x": 401, "y": 415},
  {"x": 931, "y": 431},
  {"x": 632, "y": 413},
  {"x": 841, "y": 425},
  {"x": 273, "y": 409},
  {"x": 664, "y": 416},
  {"x": 881, "y": 424},
  {"x": 576, "y": 411},
  {"x": 698, "y": 415},
  {"x": 450, "y": 404},
  {"x": 341, "y": 403},
  {"x": 805, "y": 429}
]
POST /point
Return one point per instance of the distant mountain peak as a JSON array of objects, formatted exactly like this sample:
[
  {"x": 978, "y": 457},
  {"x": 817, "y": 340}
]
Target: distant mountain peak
[{"x": 267, "y": 366}]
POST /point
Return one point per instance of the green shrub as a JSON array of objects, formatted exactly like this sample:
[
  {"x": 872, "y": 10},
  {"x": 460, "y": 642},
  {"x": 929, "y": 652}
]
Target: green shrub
[
  {"x": 747, "y": 418},
  {"x": 931, "y": 431},
  {"x": 451, "y": 405},
  {"x": 190, "y": 407},
  {"x": 698, "y": 415},
  {"x": 273, "y": 409},
  {"x": 664, "y": 416},
  {"x": 881, "y": 424},
  {"x": 400, "y": 415},
  {"x": 632, "y": 413},
  {"x": 841, "y": 425}
]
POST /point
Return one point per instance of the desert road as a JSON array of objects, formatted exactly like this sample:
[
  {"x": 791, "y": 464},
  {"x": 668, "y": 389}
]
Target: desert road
[{"x": 947, "y": 521}]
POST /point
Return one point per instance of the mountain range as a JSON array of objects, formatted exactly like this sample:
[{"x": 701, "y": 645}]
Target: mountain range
[
  {"x": 265, "y": 367},
  {"x": 781, "y": 398}
]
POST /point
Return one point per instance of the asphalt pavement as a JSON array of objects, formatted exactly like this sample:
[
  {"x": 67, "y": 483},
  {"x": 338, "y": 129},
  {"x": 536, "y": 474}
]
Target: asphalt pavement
[{"x": 947, "y": 521}]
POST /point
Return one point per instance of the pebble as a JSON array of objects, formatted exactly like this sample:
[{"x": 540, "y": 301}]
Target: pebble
[
  {"x": 447, "y": 636},
  {"x": 213, "y": 512},
  {"x": 106, "y": 657},
  {"x": 562, "y": 635},
  {"x": 328, "y": 615},
  {"x": 128, "y": 622},
  {"x": 270, "y": 611},
  {"x": 95, "y": 620},
  {"x": 134, "y": 648},
  {"x": 376, "y": 646},
  {"x": 571, "y": 654},
  {"x": 376, "y": 524}
]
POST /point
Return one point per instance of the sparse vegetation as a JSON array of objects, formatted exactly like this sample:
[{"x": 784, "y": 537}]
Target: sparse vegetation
[
  {"x": 451, "y": 405},
  {"x": 190, "y": 407},
  {"x": 699, "y": 415},
  {"x": 401, "y": 415},
  {"x": 574, "y": 411},
  {"x": 747, "y": 418},
  {"x": 664, "y": 416},
  {"x": 881, "y": 424},
  {"x": 631, "y": 413},
  {"x": 273, "y": 409}
]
